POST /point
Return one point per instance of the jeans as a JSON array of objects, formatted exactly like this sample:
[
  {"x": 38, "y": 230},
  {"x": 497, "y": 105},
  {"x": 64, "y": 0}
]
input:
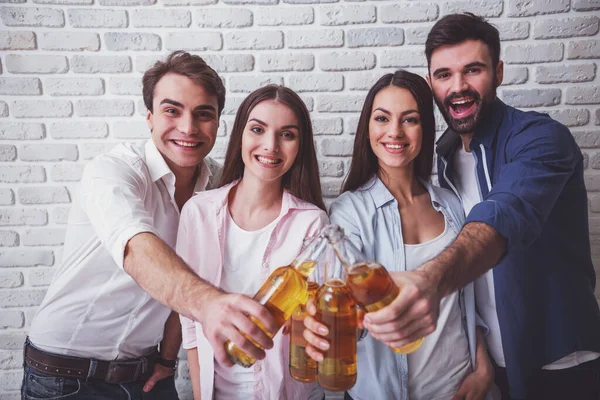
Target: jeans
[{"x": 37, "y": 385}]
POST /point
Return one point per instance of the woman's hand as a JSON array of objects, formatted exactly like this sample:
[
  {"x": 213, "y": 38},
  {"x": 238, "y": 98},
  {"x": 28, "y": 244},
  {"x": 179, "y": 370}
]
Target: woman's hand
[
  {"x": 314, "y": 333},
  {"x": 479, "y": 382}
]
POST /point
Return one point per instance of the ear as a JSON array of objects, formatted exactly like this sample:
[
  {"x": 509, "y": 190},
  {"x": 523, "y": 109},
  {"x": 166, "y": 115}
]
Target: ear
[
  {"x": 499, "y": 72},
  {"x": 428, "y": 79},
  {"x": 149, "y": 120}
]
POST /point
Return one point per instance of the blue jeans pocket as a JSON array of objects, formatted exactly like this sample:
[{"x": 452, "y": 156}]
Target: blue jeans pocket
[{"x": 41, "y": 386}]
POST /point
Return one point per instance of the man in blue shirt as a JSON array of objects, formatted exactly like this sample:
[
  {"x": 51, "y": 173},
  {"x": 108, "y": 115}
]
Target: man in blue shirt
[{"x": 519, "y": 176}]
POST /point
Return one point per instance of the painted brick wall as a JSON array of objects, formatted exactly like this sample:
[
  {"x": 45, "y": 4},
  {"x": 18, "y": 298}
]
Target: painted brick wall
[{"x": 70, "y": 89}]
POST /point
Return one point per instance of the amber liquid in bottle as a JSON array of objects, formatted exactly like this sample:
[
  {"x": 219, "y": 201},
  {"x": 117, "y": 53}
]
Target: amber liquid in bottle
[
  {"x": 373, "y": 288},
  {"x": 281, "y": 294},
  {"x": 336, "y": 309},
  {"x": 302, "y": 367}
]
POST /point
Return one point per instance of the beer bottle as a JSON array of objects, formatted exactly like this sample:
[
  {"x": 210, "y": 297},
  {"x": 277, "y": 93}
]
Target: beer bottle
[
  {"x": 336, "y": 309},
  {"x": 370, "y": 283},
  {"x": 282, "y": 292},
  {"x": 302, "y": 367}
]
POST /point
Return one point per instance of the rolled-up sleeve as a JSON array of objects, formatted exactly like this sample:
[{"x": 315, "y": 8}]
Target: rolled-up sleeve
[
  {"x": 541, "y": 160},
  {"x": 112, "y": 196}
]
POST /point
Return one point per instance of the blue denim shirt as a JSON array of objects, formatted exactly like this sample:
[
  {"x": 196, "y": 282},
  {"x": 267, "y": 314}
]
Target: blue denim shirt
[
  {"x": 370, "y": 218},
  {"x": 530, "y": 176}
]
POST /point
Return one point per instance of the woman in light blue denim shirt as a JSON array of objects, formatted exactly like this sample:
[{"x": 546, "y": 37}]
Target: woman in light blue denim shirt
[{"x": 390, "y": 212}]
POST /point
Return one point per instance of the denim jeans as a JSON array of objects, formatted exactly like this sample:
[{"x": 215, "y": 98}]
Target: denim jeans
[{"x": 37, "y": 385}]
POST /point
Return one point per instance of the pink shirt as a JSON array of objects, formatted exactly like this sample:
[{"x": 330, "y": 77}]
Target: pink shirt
[{"x": 200, "y": 242}]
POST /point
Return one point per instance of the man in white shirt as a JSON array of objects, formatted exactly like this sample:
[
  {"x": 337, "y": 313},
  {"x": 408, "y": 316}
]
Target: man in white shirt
[{"x": 109, "y": 305}]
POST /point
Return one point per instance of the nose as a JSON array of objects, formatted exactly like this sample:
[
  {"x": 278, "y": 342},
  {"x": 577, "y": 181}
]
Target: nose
[
  {"x": 395, "y": 130},
  {"x": 459, "y": 84},
  {"x": 187, "y": 124},
  {"x": 270, "y": 142}
]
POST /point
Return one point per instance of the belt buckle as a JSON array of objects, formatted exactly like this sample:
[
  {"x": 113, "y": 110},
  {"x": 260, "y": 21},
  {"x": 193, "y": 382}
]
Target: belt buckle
[{"x": 120, "y": 371}]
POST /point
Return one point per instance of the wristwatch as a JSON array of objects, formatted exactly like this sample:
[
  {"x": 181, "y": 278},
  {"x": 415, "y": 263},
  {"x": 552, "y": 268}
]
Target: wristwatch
[{"x": 168, "y": 363}]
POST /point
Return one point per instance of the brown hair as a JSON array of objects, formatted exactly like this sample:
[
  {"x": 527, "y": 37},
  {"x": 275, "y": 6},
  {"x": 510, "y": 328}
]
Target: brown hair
[
  {"x": 364, "y": 163},
  {"x": 183, "y": 63},
  {"x": 456, "y": 28},
  {"x": 302, "y": 180}
]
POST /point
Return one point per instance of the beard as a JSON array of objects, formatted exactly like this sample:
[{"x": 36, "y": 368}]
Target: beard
[{"x": 469, "y": 123}]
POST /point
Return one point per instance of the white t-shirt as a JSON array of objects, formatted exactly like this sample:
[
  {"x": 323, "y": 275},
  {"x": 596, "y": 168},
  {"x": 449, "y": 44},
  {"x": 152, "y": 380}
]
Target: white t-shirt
[
  {"x": 242, "y": 258},
  {"x": 465, "y": 177},
  {"x": 437, "y": 369}
]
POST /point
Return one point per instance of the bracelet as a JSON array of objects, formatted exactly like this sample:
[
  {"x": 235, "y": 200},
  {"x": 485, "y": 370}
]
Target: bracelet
[{"x": 168, "y": 363}]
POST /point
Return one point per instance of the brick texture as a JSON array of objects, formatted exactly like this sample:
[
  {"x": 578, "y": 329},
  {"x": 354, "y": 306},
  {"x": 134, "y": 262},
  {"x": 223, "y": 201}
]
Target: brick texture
[{"x": 70, "y": 89}]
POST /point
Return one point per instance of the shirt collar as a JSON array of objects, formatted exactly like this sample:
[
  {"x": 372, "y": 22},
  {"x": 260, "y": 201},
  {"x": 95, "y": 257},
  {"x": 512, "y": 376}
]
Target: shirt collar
[
  {"x": 158, "y": 167},
  {"x": 288, "y": 202},
  {"x": 381, "y": 194}
]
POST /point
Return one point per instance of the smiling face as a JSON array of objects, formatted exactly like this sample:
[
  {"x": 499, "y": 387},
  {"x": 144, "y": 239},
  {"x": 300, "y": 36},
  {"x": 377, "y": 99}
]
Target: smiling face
[
  {"x": 270, "y": 141},
  {"x": 184, "y": 122},
  {"x": 395, "y": 131},
  {"x": 464, "y": 82}
]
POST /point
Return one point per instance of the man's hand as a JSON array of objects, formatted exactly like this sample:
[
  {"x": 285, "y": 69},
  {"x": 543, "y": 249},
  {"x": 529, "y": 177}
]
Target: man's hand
[
  {"x": 160, "y": 372},
  {"x": 227, "y": 317},
  {"x": 412, "y": 315}
]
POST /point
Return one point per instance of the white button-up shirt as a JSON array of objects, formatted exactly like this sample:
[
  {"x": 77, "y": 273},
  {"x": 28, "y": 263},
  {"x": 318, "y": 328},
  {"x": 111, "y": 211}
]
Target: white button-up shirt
[{"x": 93, "y": 308}]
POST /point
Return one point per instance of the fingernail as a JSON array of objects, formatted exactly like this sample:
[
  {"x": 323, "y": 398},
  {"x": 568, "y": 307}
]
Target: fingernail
[
  {"x": 323, "y": 330},
  {"x": 367, "y": 319},
  {"x": 324, "y": 345}
]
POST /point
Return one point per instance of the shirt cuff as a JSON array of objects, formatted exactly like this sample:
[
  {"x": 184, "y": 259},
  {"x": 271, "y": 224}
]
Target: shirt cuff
[{"x": 188, "y": 333}]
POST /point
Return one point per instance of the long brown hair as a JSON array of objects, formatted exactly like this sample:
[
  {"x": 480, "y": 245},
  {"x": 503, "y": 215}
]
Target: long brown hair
[
  {"x": 302, "y": 180},
  {"x": 364, "y": 163}
]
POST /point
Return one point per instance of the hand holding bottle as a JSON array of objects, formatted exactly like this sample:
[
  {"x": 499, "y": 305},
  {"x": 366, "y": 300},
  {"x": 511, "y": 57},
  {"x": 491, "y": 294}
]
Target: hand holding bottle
[
  {"x": 411, "y": 315},
  {"x": 226, "y": 317}
]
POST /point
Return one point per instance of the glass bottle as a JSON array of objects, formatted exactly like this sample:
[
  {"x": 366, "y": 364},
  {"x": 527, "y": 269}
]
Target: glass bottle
[
  {"x": 336, "y": 309},
  {"x": 302, "y": 367},
  {"x": 281, "y": 293},
  {"x": 370, "y": 283}
]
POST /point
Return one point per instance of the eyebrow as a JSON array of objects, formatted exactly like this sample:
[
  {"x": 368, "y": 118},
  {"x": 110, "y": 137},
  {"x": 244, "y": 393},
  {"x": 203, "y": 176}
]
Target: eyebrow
[
  {"x": 470, "y": 65},
  {"x": 180, "y": 105},
  {"x": 383, "y": 110},
  {"x": 265, "y": 124}
]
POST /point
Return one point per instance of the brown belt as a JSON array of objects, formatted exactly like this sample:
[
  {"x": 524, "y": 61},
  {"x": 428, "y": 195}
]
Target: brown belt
[{"x": 126, "y": 371}]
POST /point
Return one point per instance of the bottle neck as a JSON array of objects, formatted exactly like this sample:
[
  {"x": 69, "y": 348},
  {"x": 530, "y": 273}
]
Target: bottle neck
[{"x": 307, "y": 260}]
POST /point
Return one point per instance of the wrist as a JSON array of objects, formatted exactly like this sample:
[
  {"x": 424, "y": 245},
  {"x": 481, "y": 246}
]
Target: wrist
[{"x": 168, "y": 363}]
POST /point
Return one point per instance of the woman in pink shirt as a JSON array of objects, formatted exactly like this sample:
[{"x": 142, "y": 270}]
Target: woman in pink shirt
[{"x": 269, "y": 200}]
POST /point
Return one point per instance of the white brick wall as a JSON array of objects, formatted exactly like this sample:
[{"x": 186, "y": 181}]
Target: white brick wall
[{"x": 70, "y": 89}]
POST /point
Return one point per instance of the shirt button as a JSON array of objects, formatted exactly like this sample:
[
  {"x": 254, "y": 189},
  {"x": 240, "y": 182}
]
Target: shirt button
[
  {"x": 257, "y": 368},
  {"x": 449, "y": 219},
  {"x": 265, "y": 265}
]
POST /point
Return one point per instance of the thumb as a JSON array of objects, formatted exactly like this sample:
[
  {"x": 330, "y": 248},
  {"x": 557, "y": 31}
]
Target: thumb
[{"x": 150, "y": 383}]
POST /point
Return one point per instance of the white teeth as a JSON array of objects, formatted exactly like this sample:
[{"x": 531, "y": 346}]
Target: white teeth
[
  {"x": 265, "y": 160},
  {"x": 461, "y": 102},
  {"x": 395, "y": 146},
  {"x": 186, "y": 144}
]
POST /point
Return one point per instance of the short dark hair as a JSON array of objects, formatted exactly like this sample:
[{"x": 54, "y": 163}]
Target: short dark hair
[
  {"x": 364, "y": 164},
  {"x": 456, "y": 28},
  {"x": 183, "y": 63},
  {"x": 302, "y": 180}
]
